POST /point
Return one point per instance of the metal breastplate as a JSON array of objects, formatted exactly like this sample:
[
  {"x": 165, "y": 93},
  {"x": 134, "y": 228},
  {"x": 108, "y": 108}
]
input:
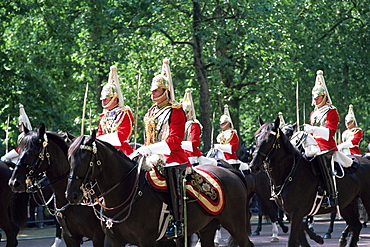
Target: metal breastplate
[
  {"x": 111, "y": 120},
  {"x": 225, "y": 136},
  {"x": 157, "y": 124},
  {"x": 348, "y": 135},
  {"x": 318, "y": 118}
]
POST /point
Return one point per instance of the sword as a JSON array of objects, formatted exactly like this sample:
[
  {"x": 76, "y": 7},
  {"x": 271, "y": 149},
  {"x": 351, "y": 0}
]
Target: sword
[
  {"x": 84, "y": 109},
  {"x": 137, "y": 109},
  {"x": 7, "y": 135},
  {"x": 213, "y": 129}
]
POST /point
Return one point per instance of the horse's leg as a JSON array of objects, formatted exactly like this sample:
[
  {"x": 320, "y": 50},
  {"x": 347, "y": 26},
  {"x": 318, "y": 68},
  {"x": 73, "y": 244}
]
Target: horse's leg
[
  {"x": 259, "y": 224},
  {"x": 207, "y": 233},
  {"x": 331, "y": 225},
  {"x": 343, "y": 237},
  {"x": 296, "y": 230},
  {"x": 280, "y": 217},
  {"x": 58, "y": 234},
  {"x": 317, "y": 238},
  {"x": 351, "y": 216},
  {"x": 11, "y": 231},
  {"x": 70, "y": 241}
]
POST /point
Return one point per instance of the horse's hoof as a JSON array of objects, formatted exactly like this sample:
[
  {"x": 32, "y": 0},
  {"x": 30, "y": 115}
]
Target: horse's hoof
[
  {"x": 327, "y": 236},
  {"x": 256, "y": 233},
  {"x": 342, "y": 243},
  {"x": 274, "y": 239},
  {"x": 285, "y": 229}
]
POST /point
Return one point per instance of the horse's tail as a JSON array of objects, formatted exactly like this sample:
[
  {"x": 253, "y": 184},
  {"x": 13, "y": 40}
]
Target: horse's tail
[{"x": 18, "y": 209}]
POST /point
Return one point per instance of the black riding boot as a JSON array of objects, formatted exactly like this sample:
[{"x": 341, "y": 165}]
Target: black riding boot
[
  {"x": 174, "y": 179},
  {"x": 324, "y": 161}
]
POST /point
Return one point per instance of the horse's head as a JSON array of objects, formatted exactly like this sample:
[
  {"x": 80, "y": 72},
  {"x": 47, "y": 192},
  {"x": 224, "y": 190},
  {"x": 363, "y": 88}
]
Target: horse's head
[
  {"x": 246, "y": 153},
  {"x": 267, "y": 137},
  {"x": 31, "y": 159},
  {"x": 82, "y": 156},
  {"x": 35, "y": 154},
  {"x": 289, "y": 129}
]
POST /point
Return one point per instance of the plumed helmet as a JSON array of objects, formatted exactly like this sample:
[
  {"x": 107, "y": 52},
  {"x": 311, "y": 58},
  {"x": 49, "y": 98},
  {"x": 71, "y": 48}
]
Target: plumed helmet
[
  {"x": 112, "y": 88},
  {"x": 226, "y": 118},
  {"x": 282, "y": 121},
  {"x": 188, "y": 105},
  {"x": 350, "y": 116},
  {"x": 320, "y": 88},
  {"x": 164, "y": 80},
  {"x": 23, "y": 118}
]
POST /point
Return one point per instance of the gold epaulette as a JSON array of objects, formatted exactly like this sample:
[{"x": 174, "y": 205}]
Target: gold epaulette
[{"x": 175, "y": 104}]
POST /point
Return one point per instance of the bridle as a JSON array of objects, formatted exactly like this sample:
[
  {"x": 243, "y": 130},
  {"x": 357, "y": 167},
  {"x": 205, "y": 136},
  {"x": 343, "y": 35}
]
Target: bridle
[
  {"x": 33, "y": 182},
  {"x": 276, "y": 190},
  {"x": 86, "y": 185},
  {"x": 275, "y": 145},
  {"x": 89, "y": 193}
]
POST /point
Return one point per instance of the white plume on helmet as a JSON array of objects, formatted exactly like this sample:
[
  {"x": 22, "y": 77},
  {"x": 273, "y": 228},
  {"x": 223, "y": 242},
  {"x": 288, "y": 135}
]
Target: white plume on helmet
[
  {"x": 23, "y": 118},
  {"x": 350, "y": 116},
  {"x": 226, "y": 117},
  {"x": 112, "y": 88},
  {"x": 320, "y": 88},
  {"x": 164, "y": 80},
  {"x": 188, "y": 105}
]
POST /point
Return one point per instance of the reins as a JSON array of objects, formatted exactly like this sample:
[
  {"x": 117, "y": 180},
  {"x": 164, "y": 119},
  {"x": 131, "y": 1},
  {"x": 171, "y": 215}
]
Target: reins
[
  {"x": 89, "y": 191},
  {"x": 266, "y": 161}
]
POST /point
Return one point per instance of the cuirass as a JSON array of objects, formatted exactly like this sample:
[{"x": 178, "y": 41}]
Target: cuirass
[
  {"x": 111, "y": 120},
  {"x": 225, "y": 136},
  {"x": 349, "y": 134},
  {"x": 157, "y": 124}
]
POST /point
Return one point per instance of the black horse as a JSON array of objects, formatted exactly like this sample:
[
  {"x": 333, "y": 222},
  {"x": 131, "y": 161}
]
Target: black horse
[
  {"x": 40, "y": 152},
  {"x": 295, "y": 183},
  {"x": 13, "y": 207},
  {"x": 261, "y": 187},
  {"x": 132, "y": 210}
]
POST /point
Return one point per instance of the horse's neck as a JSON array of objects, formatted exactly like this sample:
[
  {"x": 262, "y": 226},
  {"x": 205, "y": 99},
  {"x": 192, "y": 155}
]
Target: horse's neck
[
  {"x": 57, "y": 173},
  {"x": 116, "y": 182}
]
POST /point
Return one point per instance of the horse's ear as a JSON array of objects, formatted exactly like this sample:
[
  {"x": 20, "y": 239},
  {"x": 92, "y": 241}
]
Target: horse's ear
[
  {"x": 260, "y": 120},
  {"x": 41, "y": 130},
  {"x": 277, "y": 123},
  {"x": 93, "y": 135},
  {"x": 294, "y": 126}
]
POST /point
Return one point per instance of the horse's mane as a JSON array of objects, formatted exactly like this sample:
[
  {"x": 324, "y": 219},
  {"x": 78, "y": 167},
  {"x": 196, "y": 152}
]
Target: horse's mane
[
  {"x": 31, "y": 139},
  {"x": 81, "y": 139},
  {"x": 265, "y": 130}
]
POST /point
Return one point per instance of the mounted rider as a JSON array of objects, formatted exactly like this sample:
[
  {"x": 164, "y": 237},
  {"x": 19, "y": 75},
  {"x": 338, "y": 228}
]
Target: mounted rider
[
  {"x": 116, "y": 121},
  {"x": 165, "y": 130},
  {"x": 323, "y": 125},
  {"x": 193, "y": 133},
  {"x": 352, "y": 136},
  {"x": 23, "y": 121},
  {"x": 227, "y": 139},
  {"x": 193, "y": 128}
]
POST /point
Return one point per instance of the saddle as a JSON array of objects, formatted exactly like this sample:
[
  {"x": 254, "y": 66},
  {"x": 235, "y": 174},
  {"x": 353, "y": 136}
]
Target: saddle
[{"x": 201, "y": 186}]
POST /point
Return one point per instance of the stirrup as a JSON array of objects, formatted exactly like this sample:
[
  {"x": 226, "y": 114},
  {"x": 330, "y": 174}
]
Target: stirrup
[
  {"x": 329, "y": 201},
  {"x": 176, "y": 230}
]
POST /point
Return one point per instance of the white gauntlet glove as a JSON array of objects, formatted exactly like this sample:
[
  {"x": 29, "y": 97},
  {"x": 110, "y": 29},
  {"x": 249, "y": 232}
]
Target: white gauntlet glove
[{"x": 343, "y": 145}]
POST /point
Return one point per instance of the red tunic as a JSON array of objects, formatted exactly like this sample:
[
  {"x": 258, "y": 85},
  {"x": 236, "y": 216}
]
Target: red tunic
[
  {"x": 124, "y": 129},
  {"x": 193, "y": 134},
  {"x": 354, "y": 135},
  {"x": 229, "y": 136},
  {"x": 172, "y": 131},
  {"x": 329, "y": 119}
]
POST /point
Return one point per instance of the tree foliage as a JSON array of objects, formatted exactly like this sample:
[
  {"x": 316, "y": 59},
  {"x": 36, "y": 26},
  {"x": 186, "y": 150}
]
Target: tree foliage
[{"x": 251, "y": 55}]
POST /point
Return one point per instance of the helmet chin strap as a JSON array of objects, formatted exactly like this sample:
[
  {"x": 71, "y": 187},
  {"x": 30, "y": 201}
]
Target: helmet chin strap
[
  {"x": 110, "y": 102},
  {"x": 323, "y": 101},
  {"x": 160, "y": 96}
]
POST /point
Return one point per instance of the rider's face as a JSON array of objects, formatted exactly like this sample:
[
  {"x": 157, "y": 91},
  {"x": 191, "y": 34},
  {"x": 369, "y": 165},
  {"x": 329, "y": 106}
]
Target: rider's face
[{"x": 318, "y": 99}]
